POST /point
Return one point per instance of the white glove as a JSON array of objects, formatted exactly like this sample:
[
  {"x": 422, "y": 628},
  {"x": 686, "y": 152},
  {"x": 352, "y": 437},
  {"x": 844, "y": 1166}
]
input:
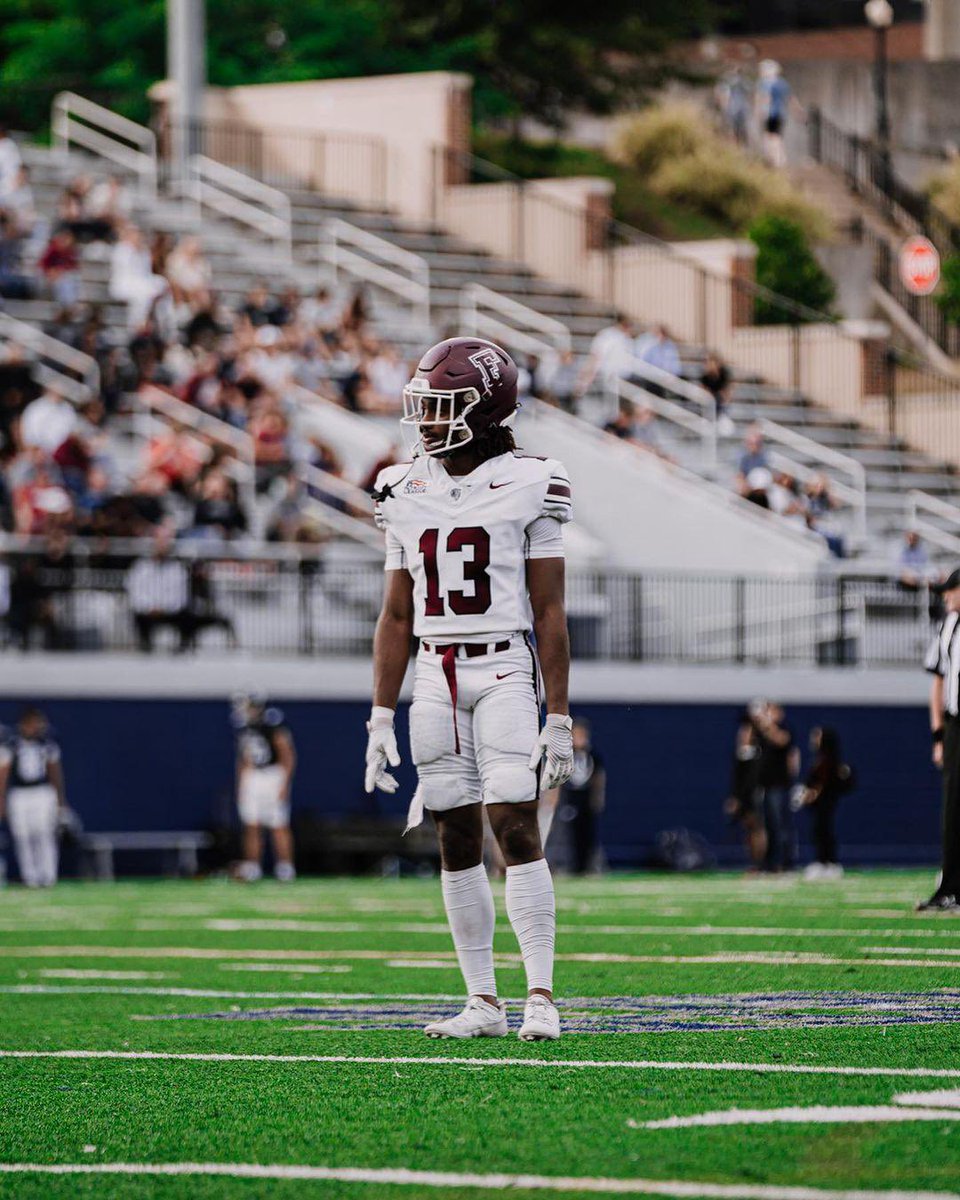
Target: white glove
[
  {"x": 556, "y": 743},
  {"x": 381, "y": 750}
]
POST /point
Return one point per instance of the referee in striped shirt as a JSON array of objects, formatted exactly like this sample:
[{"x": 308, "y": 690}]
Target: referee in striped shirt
[{"x": 943, "y": 663}]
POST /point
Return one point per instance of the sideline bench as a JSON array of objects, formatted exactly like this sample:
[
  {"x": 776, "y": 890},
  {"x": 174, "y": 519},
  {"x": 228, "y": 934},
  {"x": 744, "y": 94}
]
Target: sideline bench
[{"x": 182, "y": 846}]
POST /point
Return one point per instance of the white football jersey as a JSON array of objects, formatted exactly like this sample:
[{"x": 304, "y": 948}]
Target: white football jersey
[{"x": 465, "y": 540}]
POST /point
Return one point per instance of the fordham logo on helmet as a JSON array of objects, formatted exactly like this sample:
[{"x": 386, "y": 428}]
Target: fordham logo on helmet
[{"x": 488, "y": 364}]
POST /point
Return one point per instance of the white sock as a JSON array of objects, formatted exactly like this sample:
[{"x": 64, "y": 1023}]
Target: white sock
[
  {"x": 533, "y": 915},
  {"x": 470, "y": 912}
]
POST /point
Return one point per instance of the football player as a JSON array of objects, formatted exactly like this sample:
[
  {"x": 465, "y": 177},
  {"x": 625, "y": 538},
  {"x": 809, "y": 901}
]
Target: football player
[
  {"x": 266, "y": 760},
  {"x": 31, "y": 782},
  {"x": 474, "y": 565}
]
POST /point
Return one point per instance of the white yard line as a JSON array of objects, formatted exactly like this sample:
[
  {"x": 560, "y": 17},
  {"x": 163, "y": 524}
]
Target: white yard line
[
  {"x": 814, "y": 1114},
  {"x": 402, "y": 1176},
  {"x": 80, "y": 973},
  {"x": 506, "y": 960},
  {"x": 293, "y": 968},
  {"x": 478, "y": 1063}
]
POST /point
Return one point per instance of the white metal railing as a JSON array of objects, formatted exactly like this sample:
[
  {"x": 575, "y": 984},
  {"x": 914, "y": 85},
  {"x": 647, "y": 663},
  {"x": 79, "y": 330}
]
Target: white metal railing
[
  {"x": 919, "y": 503},
  {"x": 487, "y": 313},
  {"x": 347, "y": 249},
  {"x": 240, "y": 197},
  {"x": 77, "y": 121},
  {"x": 702, "y": 427},
  {"x": 853, "y": 493},
  {"x": 695, "y": 393},
  {"x": 50, "y": 350},
  {"x": 319, "y": 484}
]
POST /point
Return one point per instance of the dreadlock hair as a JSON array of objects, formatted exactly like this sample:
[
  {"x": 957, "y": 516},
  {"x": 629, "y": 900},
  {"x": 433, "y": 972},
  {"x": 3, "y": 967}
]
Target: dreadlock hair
[{"x": 493, "y": 441}]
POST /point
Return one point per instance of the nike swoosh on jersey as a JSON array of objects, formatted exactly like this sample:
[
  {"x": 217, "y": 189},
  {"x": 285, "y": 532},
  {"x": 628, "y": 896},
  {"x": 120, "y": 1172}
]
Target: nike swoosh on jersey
[
  {"x": 506, "y": 673},
  {"x": 500, "y": 485}
]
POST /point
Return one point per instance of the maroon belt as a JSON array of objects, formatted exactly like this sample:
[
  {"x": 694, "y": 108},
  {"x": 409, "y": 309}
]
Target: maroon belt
[{"x": 448, "y": 664}]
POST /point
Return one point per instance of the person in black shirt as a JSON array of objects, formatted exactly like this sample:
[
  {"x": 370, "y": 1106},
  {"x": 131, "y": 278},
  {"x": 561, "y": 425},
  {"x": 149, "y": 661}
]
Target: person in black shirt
[
  {"x": 581, "y": 800},
  {"x": 265, "y": 764},
  {"x": 744, "y": 805},
  {"x": 777, "y": 770},
  {"x": 829, "y": 778},
  {"x": 31, "y": 787}
]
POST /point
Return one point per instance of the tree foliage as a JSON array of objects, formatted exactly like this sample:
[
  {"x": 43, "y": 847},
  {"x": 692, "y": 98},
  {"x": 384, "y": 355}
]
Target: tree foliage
[
  {"x": 787, "y": 266},
  {"x": 530, "y": 57}
]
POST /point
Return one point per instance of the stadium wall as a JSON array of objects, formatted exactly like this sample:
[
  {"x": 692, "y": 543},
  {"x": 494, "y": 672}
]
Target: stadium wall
[{"x": 151, "y": 747}]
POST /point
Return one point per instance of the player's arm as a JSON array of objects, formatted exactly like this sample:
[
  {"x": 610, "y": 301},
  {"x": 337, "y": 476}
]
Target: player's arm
[
  {"x": 391, "y": 653},
  {"x": 391, "y": 641},
  {"x": 545, "y": 583},
  {"x": 286, "y": 757},
  {"x": 936, "y": 718}
]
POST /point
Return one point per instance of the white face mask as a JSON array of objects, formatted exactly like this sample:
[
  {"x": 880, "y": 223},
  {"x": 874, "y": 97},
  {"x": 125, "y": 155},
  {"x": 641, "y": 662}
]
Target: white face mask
[{"x": 434, "y": 422}]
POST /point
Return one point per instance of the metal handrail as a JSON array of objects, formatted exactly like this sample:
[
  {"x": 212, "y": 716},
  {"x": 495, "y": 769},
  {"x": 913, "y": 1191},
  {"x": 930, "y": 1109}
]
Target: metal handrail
[
  {"x": 241, "y": 198},
  {"x": 854, "y": 494},
  {"x": 704, "y": 427},
  {"x": 102, "y": 133},
  {"x": 512, "y": 322},
  {"x": 30, "y": 337},
  {"x": 918, "y": 502},
  {"x": 345, "y": 247}
]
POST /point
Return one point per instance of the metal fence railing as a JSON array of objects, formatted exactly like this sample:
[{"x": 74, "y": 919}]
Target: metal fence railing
[{"x": 291, "y": 602}]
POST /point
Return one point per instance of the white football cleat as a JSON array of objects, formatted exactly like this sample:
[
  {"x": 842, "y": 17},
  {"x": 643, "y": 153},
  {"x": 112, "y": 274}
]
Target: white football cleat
[
  {"x": 541, "y": 1021},
  {"x": 478, "y": 1019}
]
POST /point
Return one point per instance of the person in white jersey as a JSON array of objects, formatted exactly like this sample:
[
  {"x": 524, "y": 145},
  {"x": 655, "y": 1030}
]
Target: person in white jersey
[
  {"x": 474, "y": 567},
  {"x": 32, "y": 785}
]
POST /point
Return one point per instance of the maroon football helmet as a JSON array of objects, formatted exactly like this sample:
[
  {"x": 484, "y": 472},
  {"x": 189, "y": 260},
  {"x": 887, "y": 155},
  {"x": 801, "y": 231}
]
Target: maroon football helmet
[{"x": 462, "y": 386}]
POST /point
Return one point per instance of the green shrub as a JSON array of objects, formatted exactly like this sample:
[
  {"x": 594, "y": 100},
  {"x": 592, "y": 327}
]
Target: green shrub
[
  {"x": 682, "y": 159},
  {"x": 948, "y": 297},
  {"x": 944, "y": 191},
  {"x": 659, "y": 135},
  {"x": 786, "y": 265}
]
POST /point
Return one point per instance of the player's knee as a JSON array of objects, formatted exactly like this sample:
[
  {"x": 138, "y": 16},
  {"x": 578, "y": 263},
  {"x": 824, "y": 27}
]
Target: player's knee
[{"x": 510, "y": 784}]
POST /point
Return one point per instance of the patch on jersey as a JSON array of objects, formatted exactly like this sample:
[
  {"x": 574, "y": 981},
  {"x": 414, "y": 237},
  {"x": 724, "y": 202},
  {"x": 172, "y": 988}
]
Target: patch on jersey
[
  {"x": 487, "y": 363},
  {"x": 415, "y": 487},
  {"x": 639, "y": 1014},
  {"x": 455, "y": 493}
]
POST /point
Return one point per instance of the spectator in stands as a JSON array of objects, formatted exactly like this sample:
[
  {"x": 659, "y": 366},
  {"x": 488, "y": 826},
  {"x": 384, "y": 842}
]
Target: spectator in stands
[
  {"x": 387, "y": 376},
  {"x": 646, "y": 433},
  {"x": 37, "y": 582},
  {"x": 821, "y": 505},
  {"x": 202, "y": 612},
  {"x": 320, "y": 313},
  {"x": 560, "y": 384},
  {"x": 622, "y": 425},
  {"x": 158, "y": 589},
  {"x": 611, "y": 354},
  {"x": 132, "y": 278},
  {"x": 217, "y": 512},
  {"x": 658, "y": 350},
  {"x": 175, "y": 455},
  {"x": 10, "y": 161},
  {"x": 189, "y": 274},
  {"x": 271, "y": 454},
  {"x": 285, "y": 519},
  {"x": 161, "y": 247},
  {"x": 757, "y": 487},
  {"x": 753, "y": 458},
  {"x": 108, "y": 204},
  {"x": 149, "y": 504},
  {"x": 716, "y": 379},
  {"x": 20, "y": 204},
  {"x": 14, "y": 284},
  {"x": 5, "y": 581},
  {"x": 913, "y": 563},
  {"x": 40, "y": 501},
  {"x": 257, "y": 308},
  {"x": 787, "y": 500},
  {"x": 356, "y": 315},
  {"x": 48, "y": 421},
  {"x": 60, "y": 266},
  {"x": 93, "y": 501}
]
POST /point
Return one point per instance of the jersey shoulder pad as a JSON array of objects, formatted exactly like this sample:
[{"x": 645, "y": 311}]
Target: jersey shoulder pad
[
  {"x": 558, "y": 495},
  {"x": 384, "y": 489}
]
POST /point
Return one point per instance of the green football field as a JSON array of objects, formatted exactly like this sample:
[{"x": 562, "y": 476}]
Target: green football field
[{"x": 726, "y": 1037}]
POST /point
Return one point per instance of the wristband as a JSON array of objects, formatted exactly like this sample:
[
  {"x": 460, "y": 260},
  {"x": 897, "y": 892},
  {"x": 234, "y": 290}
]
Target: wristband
[
  {"x": 380, "y": 716},
  {"x": 559, "y": 719},
  {"x": 937, "y": 736}
]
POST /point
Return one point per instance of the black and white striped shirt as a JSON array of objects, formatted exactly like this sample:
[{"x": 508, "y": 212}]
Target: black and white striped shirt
[{"x": 943, "y": 659}]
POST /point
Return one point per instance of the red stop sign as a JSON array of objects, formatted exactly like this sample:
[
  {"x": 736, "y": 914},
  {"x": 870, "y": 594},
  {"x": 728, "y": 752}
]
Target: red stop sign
[{"x": 919, "y": 266}]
